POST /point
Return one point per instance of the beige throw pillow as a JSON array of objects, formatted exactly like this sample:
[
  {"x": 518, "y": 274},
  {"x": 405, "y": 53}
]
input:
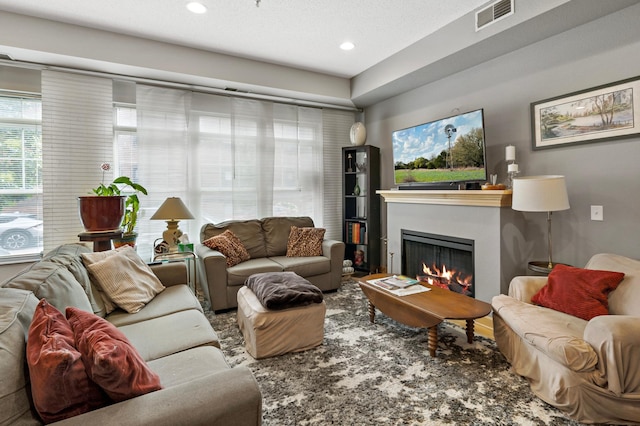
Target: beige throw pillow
[{"x": 125, "y": 278}]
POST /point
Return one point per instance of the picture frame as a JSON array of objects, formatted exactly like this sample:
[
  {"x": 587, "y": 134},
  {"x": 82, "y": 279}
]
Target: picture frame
[{"x": 602, "y": 113}]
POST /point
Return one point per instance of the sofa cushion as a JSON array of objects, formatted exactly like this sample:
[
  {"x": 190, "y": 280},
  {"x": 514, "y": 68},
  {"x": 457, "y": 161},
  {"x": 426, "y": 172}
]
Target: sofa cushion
[
  {"x": 109, "y": 358},
  {"x": 172, "y": 299},
  {"x": 166, "y": 335},
  {"x": 555, "y": 333},
  {"x": 52, "y": 281},
  {"x": 276, "y": 232},
  {"x": 59, "y": 383},
  {"x": 125, "y": 278},
  {"x": 248, "y": 231},
  {"x": 69, "y": 255},
  {"x": 16, "y": 311},
  {"x": 237, "y": 275},
  {"x": 178, "y": 368},
  {"x": 578, "y": 292},
  {"x": 625, "y": 300},
  {"x": 304, "y": 266},
  {"x": 230, "y": 246},
  {"x": 305, "y": 242}
]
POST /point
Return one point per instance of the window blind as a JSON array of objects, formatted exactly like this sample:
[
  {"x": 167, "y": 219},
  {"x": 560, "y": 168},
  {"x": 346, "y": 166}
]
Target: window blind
[
  {"x": 335, "y": 127},
  {"x": 77, "y": 136}
]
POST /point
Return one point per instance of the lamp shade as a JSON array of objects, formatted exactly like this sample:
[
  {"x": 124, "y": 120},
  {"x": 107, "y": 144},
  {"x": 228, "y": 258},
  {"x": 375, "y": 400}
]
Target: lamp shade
[
  {"x": 172, "y": 209},
  {"x": 540, "y": 194}
]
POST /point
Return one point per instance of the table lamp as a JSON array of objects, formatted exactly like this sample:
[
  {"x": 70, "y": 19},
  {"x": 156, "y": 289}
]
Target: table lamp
[
  {"x": 541, "y": 194},
  {"x": 172, "y": 210}
]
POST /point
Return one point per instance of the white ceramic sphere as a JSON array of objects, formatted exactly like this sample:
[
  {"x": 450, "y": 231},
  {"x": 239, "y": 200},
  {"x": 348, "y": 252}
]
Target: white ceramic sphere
[{"x": 358, "y": 134}]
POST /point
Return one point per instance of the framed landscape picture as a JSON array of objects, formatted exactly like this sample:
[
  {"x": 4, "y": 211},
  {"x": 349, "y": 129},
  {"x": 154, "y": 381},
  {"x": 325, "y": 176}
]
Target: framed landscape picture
[{"x": 598, "y": 114}]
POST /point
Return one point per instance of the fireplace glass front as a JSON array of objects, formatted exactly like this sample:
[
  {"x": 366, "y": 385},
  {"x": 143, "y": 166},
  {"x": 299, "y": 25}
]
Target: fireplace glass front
[{"x": 441, "y": 260}]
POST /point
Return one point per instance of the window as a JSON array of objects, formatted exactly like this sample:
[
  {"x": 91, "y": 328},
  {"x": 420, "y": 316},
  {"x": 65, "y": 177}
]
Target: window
[{"x": 20, "y": 177}]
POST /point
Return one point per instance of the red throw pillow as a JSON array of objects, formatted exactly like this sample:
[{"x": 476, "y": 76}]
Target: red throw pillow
[
  {"x": 109, "y": 358},
  {"x": 59, "y": 383},
  {"x": 582, "y": 293}
]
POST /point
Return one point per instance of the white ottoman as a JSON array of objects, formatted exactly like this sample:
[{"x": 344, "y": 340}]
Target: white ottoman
[{"x": 270, "y": 333}]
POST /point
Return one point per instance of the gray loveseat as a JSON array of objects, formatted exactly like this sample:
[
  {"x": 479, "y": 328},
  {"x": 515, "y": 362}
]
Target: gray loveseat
[
  {"x": 171, "y": 333},
  {"x": 266, "y": 241}
]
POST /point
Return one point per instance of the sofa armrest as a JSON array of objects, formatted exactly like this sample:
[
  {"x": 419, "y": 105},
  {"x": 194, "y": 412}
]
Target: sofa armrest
[
  {"x": 170, "y": 273},
  {"x": 615, "y": 340},
  {"x": 334, "y": 250},
  {"x": 212, "y": 273},
  {"x": 523, "y": 288},
  {"x": 230, "y": 397}
]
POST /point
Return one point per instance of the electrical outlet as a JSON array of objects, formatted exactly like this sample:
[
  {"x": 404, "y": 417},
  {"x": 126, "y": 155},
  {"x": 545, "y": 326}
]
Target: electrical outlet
[{"x": 597, "y": 213}]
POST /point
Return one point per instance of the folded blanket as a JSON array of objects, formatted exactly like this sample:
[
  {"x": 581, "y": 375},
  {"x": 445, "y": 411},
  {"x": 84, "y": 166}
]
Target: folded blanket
[{"x": 282, "y": 290}]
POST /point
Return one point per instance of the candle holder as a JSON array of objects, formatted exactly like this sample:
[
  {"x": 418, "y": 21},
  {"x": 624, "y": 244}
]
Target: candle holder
[
  {"x": 512, "y": 172},
  {"x": 512, "y": 167}
]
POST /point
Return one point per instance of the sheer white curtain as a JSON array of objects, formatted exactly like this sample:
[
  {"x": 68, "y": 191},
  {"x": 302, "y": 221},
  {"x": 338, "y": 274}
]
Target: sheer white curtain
[
  {"x": 162, "y": 165},
  {"x": 234, "y": 158}
]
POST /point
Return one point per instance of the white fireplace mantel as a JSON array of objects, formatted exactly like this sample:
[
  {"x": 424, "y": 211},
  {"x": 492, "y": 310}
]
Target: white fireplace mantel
[{"x": 483, "y": 198}]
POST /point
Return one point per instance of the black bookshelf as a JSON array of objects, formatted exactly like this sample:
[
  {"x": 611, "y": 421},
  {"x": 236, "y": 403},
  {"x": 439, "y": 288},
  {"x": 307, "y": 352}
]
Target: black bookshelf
[{"x": 361, "y": 206}]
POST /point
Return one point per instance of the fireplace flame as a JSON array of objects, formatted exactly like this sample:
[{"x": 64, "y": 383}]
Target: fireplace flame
[{"x": 448, "y": 279}]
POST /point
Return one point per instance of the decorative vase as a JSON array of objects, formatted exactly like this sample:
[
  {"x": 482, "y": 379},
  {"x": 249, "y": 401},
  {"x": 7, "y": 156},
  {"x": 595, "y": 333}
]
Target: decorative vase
[
  {"x": 358, "y": 134},
  {"x": 356, "y": 189},
  {"x": 101, "y": 213},
  {"x": 126, "y": 240}
]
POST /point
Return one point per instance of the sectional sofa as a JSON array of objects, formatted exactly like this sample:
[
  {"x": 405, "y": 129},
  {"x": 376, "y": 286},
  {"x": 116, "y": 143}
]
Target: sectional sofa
[{"x": 171, "y": 334}]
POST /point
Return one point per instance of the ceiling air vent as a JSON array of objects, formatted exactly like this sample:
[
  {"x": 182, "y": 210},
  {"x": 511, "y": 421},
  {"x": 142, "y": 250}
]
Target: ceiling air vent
[{"x": 493, "y": 13}]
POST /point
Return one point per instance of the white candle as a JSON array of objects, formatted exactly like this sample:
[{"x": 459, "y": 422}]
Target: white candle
[
  {"x": 512, "y": 168},
  {"x": 510, "y": 153}
]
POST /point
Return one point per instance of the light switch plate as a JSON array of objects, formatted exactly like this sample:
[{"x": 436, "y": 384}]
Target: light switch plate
[{"x": 597, "y": 213}]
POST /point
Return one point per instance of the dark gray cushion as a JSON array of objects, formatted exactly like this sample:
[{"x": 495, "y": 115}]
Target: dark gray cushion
[{"x": 282, "y": 290}]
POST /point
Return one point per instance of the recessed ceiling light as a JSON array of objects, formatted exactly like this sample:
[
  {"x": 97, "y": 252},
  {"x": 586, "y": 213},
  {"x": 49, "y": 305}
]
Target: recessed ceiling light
[
  {"x": 196, "y": 7},
  {"x": 347, "y": 45}
]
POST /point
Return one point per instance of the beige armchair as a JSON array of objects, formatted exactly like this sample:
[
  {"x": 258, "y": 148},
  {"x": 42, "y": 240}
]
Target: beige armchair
[{"x": 588, "y": 369}]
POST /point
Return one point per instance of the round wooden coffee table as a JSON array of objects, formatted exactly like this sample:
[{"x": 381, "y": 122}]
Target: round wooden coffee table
[{"x": 424, "y": 310}]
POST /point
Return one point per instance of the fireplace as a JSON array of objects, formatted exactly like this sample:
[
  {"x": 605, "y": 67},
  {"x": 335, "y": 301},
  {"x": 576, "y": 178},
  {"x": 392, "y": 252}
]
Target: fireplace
[{"x": 441, "y": 260}]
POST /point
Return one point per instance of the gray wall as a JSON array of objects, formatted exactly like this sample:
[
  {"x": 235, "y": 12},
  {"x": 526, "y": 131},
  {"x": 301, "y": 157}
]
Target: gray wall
[{"x": 604, "y": 173}]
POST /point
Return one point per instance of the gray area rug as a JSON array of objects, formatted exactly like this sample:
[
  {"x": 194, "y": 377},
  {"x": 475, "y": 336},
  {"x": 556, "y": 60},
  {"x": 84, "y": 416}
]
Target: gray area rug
[{"x": 382, "y": 374}]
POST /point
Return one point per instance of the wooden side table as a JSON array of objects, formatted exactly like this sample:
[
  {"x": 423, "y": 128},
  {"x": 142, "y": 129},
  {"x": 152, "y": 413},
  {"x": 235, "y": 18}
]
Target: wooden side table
[{"x": 101, "y": 240}]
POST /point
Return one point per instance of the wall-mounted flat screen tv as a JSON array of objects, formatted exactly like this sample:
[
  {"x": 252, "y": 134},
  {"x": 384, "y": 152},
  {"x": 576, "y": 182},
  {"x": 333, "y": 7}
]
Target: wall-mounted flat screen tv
[{"x": 441, "y": 153}]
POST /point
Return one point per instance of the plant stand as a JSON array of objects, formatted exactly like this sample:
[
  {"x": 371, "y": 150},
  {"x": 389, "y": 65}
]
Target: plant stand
[{"x": 101, "y": 240}]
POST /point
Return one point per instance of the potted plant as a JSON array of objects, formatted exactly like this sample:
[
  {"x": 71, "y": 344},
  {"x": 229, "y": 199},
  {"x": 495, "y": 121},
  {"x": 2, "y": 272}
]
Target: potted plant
[{"x": 108, "y": 210}]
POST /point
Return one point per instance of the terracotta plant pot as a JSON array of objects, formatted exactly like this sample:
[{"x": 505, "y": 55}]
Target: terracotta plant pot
[{"x": 101, "y": 214}]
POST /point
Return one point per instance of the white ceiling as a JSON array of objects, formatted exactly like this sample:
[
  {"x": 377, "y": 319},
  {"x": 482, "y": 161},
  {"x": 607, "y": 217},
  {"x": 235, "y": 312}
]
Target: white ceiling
[{"x": 302, "y": 34}]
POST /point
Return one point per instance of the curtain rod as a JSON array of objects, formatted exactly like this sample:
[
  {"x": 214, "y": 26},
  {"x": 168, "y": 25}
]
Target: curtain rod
[{"x": 176, "y": 85}]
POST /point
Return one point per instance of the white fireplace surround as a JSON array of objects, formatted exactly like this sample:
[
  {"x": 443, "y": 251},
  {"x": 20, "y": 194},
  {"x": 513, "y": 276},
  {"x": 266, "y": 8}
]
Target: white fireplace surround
[{"x": 485, "y": 217}]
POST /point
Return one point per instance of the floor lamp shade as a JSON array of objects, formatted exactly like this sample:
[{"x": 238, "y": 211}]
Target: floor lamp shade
[{"x": 540, "y": 194}]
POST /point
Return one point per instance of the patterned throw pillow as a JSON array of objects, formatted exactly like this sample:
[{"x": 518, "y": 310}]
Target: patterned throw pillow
[
  {"x": 126, "y": 279},
  {"x": 582, "y": 293},
  {"x": 230, "y": 246},
  {"x": 59, "y": 383},
  {"x": 109, "y": 358},
  {"x": 305, "y": 242}
]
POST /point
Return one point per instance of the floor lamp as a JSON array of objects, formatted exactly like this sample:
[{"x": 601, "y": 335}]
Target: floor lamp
[{"x": 541, "y": 194}]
